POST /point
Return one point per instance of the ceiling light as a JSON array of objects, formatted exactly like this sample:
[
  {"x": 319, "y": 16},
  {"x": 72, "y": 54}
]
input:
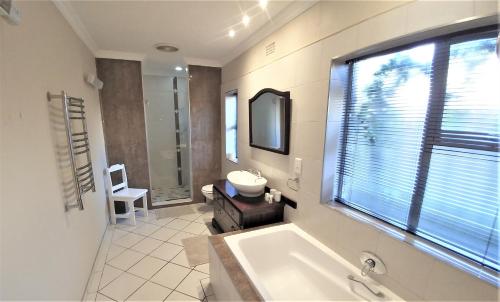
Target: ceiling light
[
  {"x": 231, "y": 33},
  {"x": 178, "y": 68},
  {"x": 165, "y": 47},
  {"x": 245, "y": 20},
  {"x": 263, "y": 3}
]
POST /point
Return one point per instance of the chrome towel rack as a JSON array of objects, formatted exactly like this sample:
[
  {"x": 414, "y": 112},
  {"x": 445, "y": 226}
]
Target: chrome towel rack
[{"x": 78, "y": 145}]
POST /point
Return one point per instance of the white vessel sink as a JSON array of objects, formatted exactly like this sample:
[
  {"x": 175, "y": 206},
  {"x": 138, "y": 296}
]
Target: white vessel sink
[{"x": 246, "y": 183}]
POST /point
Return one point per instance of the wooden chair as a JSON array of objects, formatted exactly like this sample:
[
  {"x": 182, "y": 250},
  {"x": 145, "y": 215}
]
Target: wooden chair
[{"x": 121, "y": 192}]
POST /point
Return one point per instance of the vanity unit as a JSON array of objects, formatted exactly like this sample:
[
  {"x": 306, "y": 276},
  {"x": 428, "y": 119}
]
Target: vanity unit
[{"x": 235, "y": 212}]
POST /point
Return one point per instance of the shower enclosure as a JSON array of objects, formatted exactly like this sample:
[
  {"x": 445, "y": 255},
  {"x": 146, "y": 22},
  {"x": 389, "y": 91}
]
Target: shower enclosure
[{"x": 167, "y": 126}]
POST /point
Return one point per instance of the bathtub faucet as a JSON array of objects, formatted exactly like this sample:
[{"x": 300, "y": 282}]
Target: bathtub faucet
[{"x": 368, "y": 267}]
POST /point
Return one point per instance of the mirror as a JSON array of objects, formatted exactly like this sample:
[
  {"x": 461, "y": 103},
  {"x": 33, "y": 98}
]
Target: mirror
[{"x": 270, "y": 120}]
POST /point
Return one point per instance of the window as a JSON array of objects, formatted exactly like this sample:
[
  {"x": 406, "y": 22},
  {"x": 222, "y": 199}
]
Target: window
[
  {"x": 419, "y": 143},
  {"x": 231, "y": 108}
]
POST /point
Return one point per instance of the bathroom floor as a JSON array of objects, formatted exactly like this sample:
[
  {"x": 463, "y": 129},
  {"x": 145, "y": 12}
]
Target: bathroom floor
[
  {"x": 148, "y": 261},
  {"x": 165, "y": 195}
]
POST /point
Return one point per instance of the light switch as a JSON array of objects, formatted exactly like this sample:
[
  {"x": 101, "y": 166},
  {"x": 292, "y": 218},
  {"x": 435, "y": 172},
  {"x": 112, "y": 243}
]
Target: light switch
[{"x": 297, "y": 167}]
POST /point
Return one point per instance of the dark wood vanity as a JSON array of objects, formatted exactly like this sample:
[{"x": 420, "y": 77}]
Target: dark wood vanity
[{"x": 235, "y": 212}]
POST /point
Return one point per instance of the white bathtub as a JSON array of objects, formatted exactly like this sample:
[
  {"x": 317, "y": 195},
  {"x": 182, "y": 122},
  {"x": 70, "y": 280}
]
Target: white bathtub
[{"x": 285, "y": 263}]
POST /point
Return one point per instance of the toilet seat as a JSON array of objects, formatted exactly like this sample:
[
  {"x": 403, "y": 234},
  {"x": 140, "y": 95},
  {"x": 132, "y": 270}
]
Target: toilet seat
[
  {"x": 208, "y": 188},
  {"x": 207, "y": 191}
]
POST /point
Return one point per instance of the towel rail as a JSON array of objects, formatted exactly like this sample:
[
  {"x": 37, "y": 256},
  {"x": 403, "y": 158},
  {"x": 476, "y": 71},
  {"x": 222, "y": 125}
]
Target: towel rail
[{"x": 83, "y": 176}]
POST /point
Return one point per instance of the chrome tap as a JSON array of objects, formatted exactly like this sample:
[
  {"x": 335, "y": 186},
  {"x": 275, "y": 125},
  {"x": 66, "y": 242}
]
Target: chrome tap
[{"x": 254, "y": 172}]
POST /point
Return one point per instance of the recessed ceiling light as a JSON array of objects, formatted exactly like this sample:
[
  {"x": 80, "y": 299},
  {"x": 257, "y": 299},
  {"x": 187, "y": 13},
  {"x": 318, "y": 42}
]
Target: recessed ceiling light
[
  {"x": 231, "y": 33},
  {"x": 245, "y": 20},
  {"x": 263, "y": 3},
  {"x": 178, "y": 68},
  {"x": 165, "y": 47}
]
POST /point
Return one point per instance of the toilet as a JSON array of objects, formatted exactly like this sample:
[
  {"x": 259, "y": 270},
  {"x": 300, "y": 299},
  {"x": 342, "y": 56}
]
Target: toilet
[{"x": 207, "y": 191}]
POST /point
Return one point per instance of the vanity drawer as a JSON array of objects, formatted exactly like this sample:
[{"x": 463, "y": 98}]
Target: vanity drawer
[
  {"x": 232, "y": 212},
  {"x": 225, "y": 222},
  {"x": 218, "y": 198}
]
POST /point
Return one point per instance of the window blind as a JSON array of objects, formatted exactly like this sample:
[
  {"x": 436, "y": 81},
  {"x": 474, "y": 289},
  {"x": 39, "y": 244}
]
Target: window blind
[{"x": 420, "y": 142}]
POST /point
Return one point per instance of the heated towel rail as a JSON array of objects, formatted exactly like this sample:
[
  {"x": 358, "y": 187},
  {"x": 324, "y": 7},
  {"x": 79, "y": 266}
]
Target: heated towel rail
[{"x": 78, "y": 145}]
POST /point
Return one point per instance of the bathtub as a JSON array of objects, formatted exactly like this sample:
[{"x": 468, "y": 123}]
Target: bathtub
[{"x": 285, "y": 263}]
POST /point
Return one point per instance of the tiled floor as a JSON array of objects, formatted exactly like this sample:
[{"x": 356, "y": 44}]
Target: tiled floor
[
  {"x": 165, "y": 195},
  {"x": 148, "y": 261}
]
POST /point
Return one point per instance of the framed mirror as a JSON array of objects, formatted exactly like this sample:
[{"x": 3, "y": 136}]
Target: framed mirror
[{"x": 270, "y": 112}]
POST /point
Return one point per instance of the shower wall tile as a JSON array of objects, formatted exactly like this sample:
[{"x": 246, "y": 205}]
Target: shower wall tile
[
  {"x": 123, "y": 118},
  {"x": 205, "y": 96}
]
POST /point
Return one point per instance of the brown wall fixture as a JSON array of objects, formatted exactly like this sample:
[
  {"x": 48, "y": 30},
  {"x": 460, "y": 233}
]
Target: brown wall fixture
[
  {"x": 204, "y": 94},
  {"x": 124, "y": 126}
]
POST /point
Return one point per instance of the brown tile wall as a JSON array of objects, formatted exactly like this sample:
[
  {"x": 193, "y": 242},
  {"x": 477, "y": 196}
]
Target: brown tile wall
[
  {"x": 204, "y": 94},
  {"x": 123, "y": 118}
]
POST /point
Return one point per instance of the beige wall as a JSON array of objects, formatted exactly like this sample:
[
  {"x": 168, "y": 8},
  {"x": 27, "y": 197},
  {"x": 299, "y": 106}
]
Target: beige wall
[
  {"x": 47, "y": 253},
  {"x": 301, "y": 65}
]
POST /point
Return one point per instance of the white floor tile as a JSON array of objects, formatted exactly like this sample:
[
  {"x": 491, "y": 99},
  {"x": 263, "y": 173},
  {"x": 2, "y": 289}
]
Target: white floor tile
[
  {"x": 118, "y": 233},
  {"x": 177, "y": 224},
  {"x": 190, "y": 217},
  {"x": 147, "y": 267},
  {"x": 166, "y": 251},
  {"x": 163, "y": 234},
  {"x": 207, "y": 287},
  {"x": 129, "y": 240},
  {"x": 147, "y": 245},
  {"x": 181, "y": 259},
  {"x": 146, "y": 229},
  {"x": 150, "y": 292},
  {"x": 113, "y": 251},
  {"x": 204, "y": 268},
  {"x": 126, "y": 260},
  {"x": 177, "y": 238},
  {"x": 170, "y": 275},
  {"x": 177, "y": 296},
  {"x": 195, "y": 228},
  {"x": 122, "y": 287},
  {"x": 126, "y": 226},
  {"x": 101, "y": 297},
  {"x": 150, "y": 218},
  {"x": 162, "y": 221},
  {"x": 191, "y": 285},
  {"x": 109, "y": 274}
]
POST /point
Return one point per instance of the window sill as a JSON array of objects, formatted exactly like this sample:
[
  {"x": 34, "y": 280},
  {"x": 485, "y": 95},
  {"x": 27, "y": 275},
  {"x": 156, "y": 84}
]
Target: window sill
[
  {"x": 460, "y": 262},
  {"x": 233, "y": 161}
]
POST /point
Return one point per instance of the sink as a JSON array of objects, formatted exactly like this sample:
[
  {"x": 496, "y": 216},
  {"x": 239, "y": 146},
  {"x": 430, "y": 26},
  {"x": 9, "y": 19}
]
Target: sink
[{"x": 246, "y": 183}]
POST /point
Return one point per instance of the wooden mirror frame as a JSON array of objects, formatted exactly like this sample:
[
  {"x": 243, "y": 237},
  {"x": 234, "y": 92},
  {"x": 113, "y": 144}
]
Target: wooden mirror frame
[{"x": 288, "y": 110}]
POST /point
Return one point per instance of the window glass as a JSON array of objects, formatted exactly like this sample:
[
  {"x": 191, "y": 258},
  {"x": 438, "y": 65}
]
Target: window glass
[
  {"x": 231, "y": 109},
  {"x": 420, "y": 142}
]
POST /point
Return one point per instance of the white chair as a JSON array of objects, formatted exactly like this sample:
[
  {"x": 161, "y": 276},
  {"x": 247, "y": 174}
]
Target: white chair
[{"x": 121, "y": 192}]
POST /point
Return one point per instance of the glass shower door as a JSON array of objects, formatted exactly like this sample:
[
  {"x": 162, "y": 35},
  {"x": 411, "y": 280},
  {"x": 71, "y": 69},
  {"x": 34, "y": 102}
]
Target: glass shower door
[{"x": 167, "y": 122}]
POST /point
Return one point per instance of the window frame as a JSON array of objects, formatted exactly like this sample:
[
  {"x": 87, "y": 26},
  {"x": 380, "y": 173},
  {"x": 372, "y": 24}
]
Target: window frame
[
  {"x": 231, "y": 93},
  {"x": 436, "y": 105}
]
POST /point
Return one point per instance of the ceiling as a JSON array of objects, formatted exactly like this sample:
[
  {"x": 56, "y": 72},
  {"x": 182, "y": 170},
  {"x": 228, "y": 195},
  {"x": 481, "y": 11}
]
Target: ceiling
[{"x": 129, "y": 29}]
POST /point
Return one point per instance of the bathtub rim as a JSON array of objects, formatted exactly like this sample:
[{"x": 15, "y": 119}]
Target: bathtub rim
[{"x": 231, "y": 241}]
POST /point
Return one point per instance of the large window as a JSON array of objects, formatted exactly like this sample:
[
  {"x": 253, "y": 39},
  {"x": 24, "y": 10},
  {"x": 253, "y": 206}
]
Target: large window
[
  {"x": 231, "y": 121},
  {"x": 419, "y": 146}
]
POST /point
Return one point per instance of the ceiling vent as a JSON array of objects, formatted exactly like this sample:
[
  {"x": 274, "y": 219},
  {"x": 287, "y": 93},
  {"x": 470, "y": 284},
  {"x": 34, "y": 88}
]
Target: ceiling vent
[
  {"x": 165, "y": 47},
  {"x": 270, "y": 48}
]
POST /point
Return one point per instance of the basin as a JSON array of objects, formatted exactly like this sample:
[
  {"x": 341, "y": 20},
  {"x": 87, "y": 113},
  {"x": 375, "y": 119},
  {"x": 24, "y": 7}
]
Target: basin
[{"x": 246, "y": 183}]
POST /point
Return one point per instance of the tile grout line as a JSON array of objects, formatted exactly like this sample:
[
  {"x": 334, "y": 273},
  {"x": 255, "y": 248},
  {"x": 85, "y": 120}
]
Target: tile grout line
[{"x": 191, "y": 269}]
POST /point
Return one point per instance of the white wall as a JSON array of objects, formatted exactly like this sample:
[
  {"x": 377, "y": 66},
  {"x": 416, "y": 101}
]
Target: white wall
[
  {"x": 301, "y": 65},
  {"x": 47, "y": 253}
]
